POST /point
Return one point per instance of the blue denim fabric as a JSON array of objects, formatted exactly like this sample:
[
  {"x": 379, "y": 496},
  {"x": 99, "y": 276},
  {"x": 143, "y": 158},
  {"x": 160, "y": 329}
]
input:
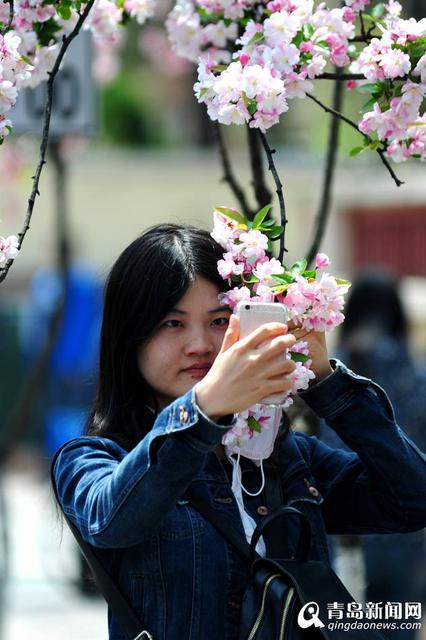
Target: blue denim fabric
[{"x": 183, "y": 580}]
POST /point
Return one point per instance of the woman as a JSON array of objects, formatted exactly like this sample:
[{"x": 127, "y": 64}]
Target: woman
[{"x": 172, "y": 374}]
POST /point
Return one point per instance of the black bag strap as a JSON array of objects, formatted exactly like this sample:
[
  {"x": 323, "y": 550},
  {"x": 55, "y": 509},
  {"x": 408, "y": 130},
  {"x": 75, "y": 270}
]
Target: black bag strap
[
  {"x": 127, "y": 619},
  {"x": 304, "y": 543},
  {"x": 238, "y": 541}
]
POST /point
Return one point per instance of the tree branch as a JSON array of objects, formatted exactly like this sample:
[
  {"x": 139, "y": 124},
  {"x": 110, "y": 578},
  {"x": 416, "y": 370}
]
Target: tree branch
[
  {"x": 332, "y": 149},
  {"x": 228, "y": 174},
  {"x": 261, "y": 190},
  {"x": 354, "y": 125},
  {"x": 45, "y": 136},
  {"x": 340, "y": 76},
  {"x": 279, "y": 191}
]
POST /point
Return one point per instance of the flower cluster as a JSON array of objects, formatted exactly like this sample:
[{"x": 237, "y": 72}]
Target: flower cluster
[
  {"x": 314, "y": 299},
  {"x": 14, "y": 72},
  {"x": 8, "y": 248},
  {"x": 28, "y": 49},
  {"x": 395, "y": 67},
  {"x": 254, "y": 57}
]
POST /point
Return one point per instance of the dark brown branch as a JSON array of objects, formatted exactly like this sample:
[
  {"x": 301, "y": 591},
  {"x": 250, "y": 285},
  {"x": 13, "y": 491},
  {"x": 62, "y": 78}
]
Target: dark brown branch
[
  {"x": 228, "y": 174},
  {"x": 354, "y": 125},
  {"x": 279, "y": 191},
  {"x": 261, "y": 190},
  {"x": 340, "y": 76},
  {"x": 45, "y": 136},
  {"x": 8, "y": 26},
  {"x": 332, "y": 149}
]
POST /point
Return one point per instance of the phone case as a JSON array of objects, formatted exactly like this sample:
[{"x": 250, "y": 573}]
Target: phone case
[{"x": 252, "y": 315}]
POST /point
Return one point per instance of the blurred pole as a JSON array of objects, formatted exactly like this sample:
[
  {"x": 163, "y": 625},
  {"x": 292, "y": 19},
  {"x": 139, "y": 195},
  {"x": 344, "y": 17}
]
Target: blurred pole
[
  {"x": 4, "y": 552},
  {"x": 63, "y": 245}
]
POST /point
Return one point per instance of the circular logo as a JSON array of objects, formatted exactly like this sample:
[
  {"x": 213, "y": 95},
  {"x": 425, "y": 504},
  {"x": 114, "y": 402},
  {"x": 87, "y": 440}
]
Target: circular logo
[{"x": 308, "y": 616}]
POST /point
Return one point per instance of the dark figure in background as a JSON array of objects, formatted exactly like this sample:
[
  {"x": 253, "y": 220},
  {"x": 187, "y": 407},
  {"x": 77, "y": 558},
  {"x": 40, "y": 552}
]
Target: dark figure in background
[{"x": 374, "y": 342}]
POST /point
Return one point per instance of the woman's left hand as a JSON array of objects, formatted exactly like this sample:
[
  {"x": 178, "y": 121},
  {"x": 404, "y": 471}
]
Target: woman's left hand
[{"x": 317, "y": 349}]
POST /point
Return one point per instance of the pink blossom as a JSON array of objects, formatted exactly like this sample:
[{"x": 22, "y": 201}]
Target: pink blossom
[
  {"x": 263, "y": 293},
  {"x": 8, "y": 248},
  {"x": 265, "y": 270},
  {"x": 253, "y": 244},
  {"x": 420, "y": 69},
  {"x": 395, "y": 63},
  {"x": 322, "y": 261},
  {"x": 227, "y": 267},
  {"x": 141, "y": 10},
  {"x": 235, "y": 295}
]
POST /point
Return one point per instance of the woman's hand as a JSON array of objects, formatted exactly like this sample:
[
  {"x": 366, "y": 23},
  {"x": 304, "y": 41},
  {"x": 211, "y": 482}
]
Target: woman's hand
[
  {"x": 246, "y": 370},
  {"x": 317, "y": 349}
]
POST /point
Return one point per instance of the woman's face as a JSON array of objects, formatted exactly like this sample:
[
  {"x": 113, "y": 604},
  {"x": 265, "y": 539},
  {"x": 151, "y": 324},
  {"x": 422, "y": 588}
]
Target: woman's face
[{"x": 185, "y": 344}]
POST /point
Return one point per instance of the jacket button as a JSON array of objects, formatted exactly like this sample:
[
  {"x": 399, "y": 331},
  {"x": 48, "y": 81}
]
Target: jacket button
[
  {"x": 262, "y": 511},
  {"x": 313, "y": 491},
  {"x": 183, "y": 414}
]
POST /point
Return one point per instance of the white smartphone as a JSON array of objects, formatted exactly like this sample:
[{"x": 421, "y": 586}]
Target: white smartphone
[{"x": 254, "y": 314}]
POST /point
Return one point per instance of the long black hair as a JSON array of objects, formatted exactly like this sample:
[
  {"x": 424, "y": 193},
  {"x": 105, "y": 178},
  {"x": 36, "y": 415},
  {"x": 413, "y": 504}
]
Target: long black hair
[
  {"x": 374, "y": 300},
  {"x": 148, "y": 279},
  {"x": 374, "y": 313}
]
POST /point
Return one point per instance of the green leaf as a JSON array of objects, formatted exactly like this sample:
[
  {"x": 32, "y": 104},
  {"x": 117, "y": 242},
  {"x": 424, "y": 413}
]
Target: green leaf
[
  {"x": 267, "y": 223},
  {"x": 371, "y": 88},
  {"x": 298, "y": 268},
  {"x": 310, "y": 274},
  {"x": 261, "y": 215},
  {"x": 374, "y": 145},
  {"x": 298, "y": 357},
  {"x": 378, "y": 10},
  {"x": 46, "y": 31},
  {"x": 251, "y": 279},
  {"x": 356, "y": 151},
  {"x": 308, "y": 31},
  {"x": 323, "y": 44},
  {"x": 251, "y": 107},
  {"x": 298, "y": 38},
  {"x": 219, "y": 67},
  {"x": 275, "y": 232},
  {"x": 64, "y": 10},
  {"x": 257, "y": 38},
  {"x": 284, "y": 277},
  {"x": 203, "y": 91},
  {"x": 341, "y": 281},
  {"x": 253, "y": 424},
  {"x": 368, "y": 105},
  {"x": 231, "y": 213}
]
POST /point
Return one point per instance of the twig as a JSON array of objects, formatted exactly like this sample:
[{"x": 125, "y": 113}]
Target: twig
[
  {"x": 340, "y": 76},
  {"x": 354, "y": 125},
  {"x": 261, "y": 190},
  {"x": 332, "y": 149},
  {"x": 45, "y": 136},
  {"x": 279, "y": 191},
  {"x": 228, "y": 174},
  {"x": 8, "y": 26}
]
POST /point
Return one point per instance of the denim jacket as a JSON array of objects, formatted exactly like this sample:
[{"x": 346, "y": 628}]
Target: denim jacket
[{"x": 184, "y": 581}]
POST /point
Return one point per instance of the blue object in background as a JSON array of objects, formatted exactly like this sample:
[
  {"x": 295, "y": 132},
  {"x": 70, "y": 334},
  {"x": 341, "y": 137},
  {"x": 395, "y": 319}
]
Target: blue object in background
[{"x": 70, "y": 386}]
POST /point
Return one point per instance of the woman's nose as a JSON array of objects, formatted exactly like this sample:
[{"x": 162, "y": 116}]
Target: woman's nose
[{"x": 199, "y": 342}]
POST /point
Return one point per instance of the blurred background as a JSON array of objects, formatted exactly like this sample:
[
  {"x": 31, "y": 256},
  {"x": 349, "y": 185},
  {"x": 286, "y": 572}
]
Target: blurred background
[{"x": 133, "y": 150}]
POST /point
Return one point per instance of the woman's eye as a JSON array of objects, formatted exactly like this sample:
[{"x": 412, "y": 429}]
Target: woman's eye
[
  {"x": 171, "y": 323},
  {"x": 221, "y": 322}
]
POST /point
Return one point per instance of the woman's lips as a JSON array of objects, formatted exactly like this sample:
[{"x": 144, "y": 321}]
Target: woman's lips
[{"x": 197, "y": 372}]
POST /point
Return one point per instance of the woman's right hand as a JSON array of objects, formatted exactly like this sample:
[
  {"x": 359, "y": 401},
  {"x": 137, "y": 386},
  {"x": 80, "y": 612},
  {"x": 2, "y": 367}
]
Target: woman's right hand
[{"x": 246, "y": 370}]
